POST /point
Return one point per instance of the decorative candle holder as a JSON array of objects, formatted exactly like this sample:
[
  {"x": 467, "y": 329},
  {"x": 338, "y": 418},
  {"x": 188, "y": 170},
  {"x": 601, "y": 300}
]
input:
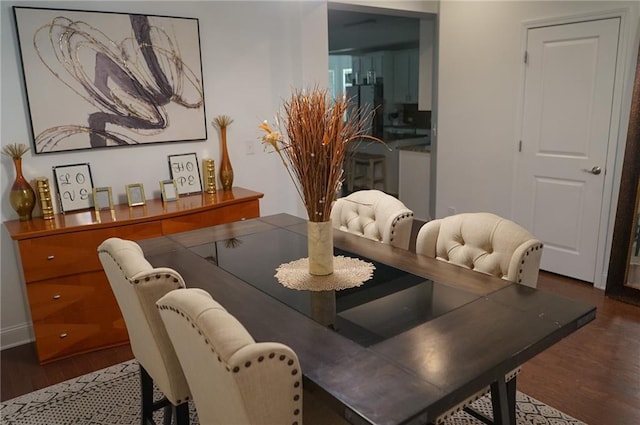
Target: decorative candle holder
[
  {"x": 44, "y": 195},
  {"x": 209, "y": 174}
]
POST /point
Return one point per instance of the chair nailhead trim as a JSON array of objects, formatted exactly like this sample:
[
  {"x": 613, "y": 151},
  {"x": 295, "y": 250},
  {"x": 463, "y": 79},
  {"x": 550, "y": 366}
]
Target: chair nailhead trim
[{"x": 247, "y": 364}]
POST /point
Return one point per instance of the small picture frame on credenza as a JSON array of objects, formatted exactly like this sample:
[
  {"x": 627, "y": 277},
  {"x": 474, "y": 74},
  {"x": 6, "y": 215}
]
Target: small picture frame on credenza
[
  {"x": 135, "y": 194},
  {"x": 169, "y": 190},
  {"x": 102, "y": 198}
]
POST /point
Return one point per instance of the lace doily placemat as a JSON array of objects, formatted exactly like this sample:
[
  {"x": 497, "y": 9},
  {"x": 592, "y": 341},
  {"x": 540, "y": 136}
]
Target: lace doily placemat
[{"x": 347, "y": 273}]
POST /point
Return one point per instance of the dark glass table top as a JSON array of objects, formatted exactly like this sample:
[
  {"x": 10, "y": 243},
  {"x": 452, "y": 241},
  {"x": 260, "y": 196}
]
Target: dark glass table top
[{"x": 392, "y": 302}]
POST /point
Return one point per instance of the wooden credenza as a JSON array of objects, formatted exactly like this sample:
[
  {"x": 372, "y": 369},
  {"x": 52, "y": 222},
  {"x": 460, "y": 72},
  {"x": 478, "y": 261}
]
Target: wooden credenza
[{"x": 72, "y": 307}]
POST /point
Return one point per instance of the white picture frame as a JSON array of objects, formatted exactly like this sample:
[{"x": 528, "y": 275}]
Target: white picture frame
[{"x": 185, "y": 170}]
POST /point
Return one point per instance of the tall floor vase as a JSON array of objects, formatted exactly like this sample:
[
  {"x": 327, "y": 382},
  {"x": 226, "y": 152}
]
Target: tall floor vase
[
  {"x": 22, "y": 197},
  {"x": 320, "y": 247},
  {"x": 226, "y": 171}
]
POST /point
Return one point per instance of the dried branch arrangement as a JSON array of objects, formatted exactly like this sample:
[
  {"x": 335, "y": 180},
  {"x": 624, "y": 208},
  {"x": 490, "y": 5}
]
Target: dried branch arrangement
[
  {"x": 15, "y": 150},
  {"x": 315, "y": 146}
]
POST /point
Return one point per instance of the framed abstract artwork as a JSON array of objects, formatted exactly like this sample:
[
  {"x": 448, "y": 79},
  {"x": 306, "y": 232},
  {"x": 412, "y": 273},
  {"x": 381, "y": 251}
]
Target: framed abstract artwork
[
  {"x": 185, "y": 170},
  {"x": 74, "y": 185},
  {"x": 107, "y": 79}
]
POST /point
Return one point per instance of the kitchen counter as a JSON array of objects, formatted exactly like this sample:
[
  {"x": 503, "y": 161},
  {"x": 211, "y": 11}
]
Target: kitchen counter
[
  {"x": 407, "y": 141},
  {"x": 420, "y": 147},
  {"x": 391, "y": 149},
  {"x": 406, "y": 131},
  {"x": 414, "y": 165}
]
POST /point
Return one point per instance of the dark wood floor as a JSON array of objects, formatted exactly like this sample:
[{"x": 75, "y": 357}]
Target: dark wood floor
[{"x": 593, "y": 375}]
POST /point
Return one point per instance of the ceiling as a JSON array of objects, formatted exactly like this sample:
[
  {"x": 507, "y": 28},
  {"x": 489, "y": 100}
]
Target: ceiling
[{"x": 357, "y": 32}]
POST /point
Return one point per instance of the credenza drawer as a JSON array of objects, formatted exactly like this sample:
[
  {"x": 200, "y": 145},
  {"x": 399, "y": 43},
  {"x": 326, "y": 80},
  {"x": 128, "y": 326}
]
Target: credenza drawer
[
  {"x": 202, "y": 219},
  {"x": 87, "y": 294},
  {"x": 75, "y": 252},
  {"x": 74, "y": 314},
  {"x": 55, "y": 340}
]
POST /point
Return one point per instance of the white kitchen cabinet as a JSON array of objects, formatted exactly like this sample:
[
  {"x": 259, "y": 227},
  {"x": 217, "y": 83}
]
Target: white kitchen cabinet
[
  {"x": 414, "y": 180},
  {"x": 405, "y": 76},
  {"x": 372, "y": 62},
  {"x": 369, "y": 62}
]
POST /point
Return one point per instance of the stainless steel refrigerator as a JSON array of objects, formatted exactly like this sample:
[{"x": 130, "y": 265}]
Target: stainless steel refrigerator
[{"x": 367, "y": 98}]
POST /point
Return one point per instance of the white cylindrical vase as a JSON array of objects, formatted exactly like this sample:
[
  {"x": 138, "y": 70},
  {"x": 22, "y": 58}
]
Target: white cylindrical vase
[{"x": 320, "y": 247}]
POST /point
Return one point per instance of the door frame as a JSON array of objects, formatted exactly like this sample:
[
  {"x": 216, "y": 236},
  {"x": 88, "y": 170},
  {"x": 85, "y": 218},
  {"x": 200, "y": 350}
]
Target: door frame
[
  {"x": 619, "y": 265},
  {"x": 621, "y": 104}
]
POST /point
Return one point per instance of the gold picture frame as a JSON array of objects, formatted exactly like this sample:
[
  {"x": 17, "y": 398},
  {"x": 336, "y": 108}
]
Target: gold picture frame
[
  {"x": 169, "y": 190},
  {"x": 135, "y": 194},
  {"x": 102, "y": 198}
]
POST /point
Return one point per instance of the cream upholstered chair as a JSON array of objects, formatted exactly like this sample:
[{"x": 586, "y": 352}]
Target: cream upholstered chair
[
  {"x": 485, "y": 243},
  {"x": 234, "y": 380},
  {"x": 375, "y": 215},
  {"x": 137, "y": 286}
]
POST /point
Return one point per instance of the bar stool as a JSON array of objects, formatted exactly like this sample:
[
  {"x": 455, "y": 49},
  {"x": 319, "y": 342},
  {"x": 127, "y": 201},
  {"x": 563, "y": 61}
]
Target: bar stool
[{"x": 363, "y": 171}]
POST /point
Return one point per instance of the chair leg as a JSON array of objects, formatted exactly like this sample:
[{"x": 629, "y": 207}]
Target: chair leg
[
  {"x": 167, "y": 412},
  {"x": 149, "y": 406},
  {"x": 182, "y": 413},
  {"x": 147, "y": 397}
]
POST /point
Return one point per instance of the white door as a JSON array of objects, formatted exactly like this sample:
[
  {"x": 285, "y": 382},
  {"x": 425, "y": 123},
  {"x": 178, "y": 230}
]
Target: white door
[{"x": 566, "y": 122}]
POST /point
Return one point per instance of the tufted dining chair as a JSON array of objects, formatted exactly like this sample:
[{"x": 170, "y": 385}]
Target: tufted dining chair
[
  {"x": 375, "y": 215},
  {"x": 137, "y": 286},
  {"x": 234, "y": 380},
  {"x": 485, "y": 243}
]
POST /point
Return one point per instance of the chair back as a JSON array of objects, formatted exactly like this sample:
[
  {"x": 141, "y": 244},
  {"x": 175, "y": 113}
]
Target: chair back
[
  {"x": 485, "y": 243},
  {"x": 137, "y": 286},
  {"x": 233, "y": 379},
  {"x": 375, "y": 215}
]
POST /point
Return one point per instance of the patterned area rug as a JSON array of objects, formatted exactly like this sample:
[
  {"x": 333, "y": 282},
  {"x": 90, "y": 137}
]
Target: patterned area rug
[{"x": 111, "y": 396}]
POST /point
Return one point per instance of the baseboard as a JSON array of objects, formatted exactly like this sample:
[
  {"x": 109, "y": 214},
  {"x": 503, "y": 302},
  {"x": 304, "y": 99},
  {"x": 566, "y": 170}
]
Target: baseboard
[
  {"x": 601, "y": 283},
  {"x": 13, "y": 336}
]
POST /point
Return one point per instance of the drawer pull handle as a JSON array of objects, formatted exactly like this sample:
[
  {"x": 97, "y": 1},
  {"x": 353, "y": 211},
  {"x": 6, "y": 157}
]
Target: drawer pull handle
[
  {"x": 57, "y": 297},
  {"x": 51, "y": 257},
  {"x": 63, "y": 335}
]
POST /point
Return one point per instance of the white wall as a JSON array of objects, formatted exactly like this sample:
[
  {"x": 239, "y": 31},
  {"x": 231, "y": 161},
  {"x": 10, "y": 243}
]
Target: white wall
[
  {"x": 479, "y": 81},
  {"x": 480, "y": 73},
  {"x": 253, "y": 54}
]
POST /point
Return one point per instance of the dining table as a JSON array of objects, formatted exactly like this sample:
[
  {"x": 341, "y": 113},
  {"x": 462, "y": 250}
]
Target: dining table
[{"x": 407, "y": 345}]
